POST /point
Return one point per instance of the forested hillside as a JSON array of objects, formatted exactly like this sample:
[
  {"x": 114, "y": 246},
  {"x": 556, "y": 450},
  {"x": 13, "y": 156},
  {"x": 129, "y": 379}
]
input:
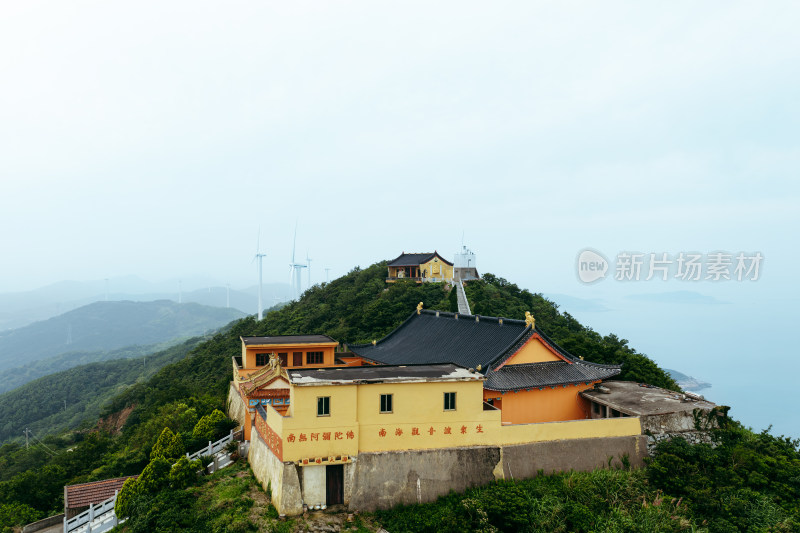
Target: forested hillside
[
  {"x": 104, "y": 326},
  {"x": 358, "y": 307},
  {"x": 77, "y": 395}
]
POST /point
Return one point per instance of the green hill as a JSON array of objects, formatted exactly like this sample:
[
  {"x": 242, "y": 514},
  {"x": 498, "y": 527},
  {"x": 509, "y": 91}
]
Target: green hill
[
  {"x": 358, "y": 307},
  {"x": 87, "y": 334},
  {"x": 76, "y": 396}
]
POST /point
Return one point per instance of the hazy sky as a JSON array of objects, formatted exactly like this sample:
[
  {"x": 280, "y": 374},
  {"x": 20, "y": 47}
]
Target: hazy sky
[{"x": 155, "y": 138}]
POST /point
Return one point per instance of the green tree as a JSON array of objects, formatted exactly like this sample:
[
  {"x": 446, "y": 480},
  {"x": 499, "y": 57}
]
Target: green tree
[
  {"x": 168, "y": 446},
  {"x": 130, "y": 490},
  {"x": 210, "y": 426},
  {"x": 155, "y": 476},
  {"x": 184, "y": 473}
]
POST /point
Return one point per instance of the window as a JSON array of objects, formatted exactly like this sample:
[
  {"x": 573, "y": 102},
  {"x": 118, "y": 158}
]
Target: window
[
  {"x": 314, "y": 358},
  {"x": 386, "y": 403},
  {"x": 297, "y": 358},
  {"x": 324, "y": 406},
  {"x": 449, "y": 401},
  {"x": 262, "y": 359},
  {"x": 596, "y": 408},
  {"x": 284, "y": 359}
]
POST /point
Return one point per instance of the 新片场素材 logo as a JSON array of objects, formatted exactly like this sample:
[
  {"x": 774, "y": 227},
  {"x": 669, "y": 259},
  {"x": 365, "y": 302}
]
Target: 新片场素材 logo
[{"x": 592, "y": 266}]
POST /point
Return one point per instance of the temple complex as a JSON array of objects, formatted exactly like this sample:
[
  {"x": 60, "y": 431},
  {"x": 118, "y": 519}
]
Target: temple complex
[{"x": 443, "y": 402}]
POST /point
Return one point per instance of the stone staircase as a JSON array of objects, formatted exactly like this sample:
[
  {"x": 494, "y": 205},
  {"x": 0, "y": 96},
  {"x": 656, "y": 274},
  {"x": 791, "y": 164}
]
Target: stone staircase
[{"x": 463, "y": 304}]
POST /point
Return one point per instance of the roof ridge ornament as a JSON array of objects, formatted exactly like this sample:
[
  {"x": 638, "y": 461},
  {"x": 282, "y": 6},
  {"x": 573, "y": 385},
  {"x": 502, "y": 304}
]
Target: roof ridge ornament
[
  {"x": 529, "y": 320},
  {"x": 419, "y": 308}
]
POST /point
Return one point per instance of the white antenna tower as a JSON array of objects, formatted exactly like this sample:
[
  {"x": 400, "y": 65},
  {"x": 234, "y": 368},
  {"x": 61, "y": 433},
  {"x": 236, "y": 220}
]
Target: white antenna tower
[
  {"x": 327, "y": 274},
  {"x": 295, "y": 269},
  {"x": 260, "y": 257}
]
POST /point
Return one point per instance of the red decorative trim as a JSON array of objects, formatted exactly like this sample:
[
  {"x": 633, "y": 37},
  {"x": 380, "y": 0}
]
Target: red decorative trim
[{"x": 272, "y": 439}]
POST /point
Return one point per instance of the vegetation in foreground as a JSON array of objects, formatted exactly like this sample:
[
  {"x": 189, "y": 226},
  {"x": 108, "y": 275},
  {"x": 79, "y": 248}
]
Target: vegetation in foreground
[
  {"x": 358, "y": 307},
  {"x": 745, "y": 482}
]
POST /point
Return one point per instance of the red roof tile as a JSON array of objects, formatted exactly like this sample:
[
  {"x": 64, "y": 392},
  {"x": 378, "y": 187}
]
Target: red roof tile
[{"x": 84, "y": 494}]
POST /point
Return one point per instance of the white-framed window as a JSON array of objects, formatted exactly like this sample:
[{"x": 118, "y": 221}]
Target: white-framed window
[
  {"x": 386, "y": 403},
  {"x": 323, "y": 406},
  {"x": 449, "y": 401}
]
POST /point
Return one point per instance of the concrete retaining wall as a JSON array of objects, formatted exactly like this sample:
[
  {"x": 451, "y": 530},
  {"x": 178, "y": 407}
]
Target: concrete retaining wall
[
  {"x": 526, "y": 460},
  {"x": 51, "y": 523},
  {"x": 385, "y": 479},
  {"x": 237, "y": 410},
  {"x": 381, "y": 480},
  {"x": 282, "y": 478}
]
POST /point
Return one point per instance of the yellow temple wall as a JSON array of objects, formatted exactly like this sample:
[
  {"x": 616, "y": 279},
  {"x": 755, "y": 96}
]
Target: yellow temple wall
[
  {"x": 533, "y": 351},
  {"x": 546, "y": 405},
  {"x": 418, "y": 421},
  {"x": 445, "y": 270}
]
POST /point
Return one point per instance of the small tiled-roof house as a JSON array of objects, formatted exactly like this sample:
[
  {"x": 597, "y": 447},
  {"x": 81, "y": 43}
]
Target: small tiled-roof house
[
  {"x": 77, "y": 498},
  {"x": 429, "y": 266}
]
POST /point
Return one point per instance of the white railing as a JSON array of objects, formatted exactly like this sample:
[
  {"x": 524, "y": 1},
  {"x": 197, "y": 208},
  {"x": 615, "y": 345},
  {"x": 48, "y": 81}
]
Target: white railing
[
  {"x": 97, "y": 519},
  {"x": 101, "y": 517},
  {"x": 213, "y": 447}
]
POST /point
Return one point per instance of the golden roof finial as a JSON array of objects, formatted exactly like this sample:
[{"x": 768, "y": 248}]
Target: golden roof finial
[
  {"x": 419, "y": 308},
  {"x": 529, "y": 320}
]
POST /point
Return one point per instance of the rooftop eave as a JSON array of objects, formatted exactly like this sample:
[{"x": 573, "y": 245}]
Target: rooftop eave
[{"x": 326, "y": 383}]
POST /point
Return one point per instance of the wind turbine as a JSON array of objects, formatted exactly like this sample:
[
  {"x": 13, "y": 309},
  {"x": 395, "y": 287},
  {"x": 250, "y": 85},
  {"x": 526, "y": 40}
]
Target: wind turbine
[
  {"x": 259, "y": 256},
  {"x": 308, "y": 262},
  {"x": 295, "y": 269}
]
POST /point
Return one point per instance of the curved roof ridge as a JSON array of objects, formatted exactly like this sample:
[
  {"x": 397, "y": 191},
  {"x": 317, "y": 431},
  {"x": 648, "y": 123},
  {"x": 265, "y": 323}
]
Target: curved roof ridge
[{"x": 524, "y": 335}]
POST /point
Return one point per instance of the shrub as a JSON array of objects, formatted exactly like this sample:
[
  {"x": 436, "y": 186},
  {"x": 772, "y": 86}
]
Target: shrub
[
  {"x": 155, "y": 475},
  {"x": 130, "y": 490},
  {"x": 168, "y": 446},
  {"x": 184, "y": 473},
  {"x": 210, "y": 426}
]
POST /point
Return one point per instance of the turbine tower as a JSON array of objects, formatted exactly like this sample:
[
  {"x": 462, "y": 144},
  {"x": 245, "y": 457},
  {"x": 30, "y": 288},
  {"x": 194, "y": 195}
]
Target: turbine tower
[
  {"x": 260, "y": 257},
  {"x": 308, "y": 262},
  {"x": 295, "y": 269}
]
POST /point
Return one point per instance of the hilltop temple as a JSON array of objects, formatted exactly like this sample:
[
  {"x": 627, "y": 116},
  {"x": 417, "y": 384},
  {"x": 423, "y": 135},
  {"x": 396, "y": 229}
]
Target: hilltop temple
[{"x": 443, "y": 402}]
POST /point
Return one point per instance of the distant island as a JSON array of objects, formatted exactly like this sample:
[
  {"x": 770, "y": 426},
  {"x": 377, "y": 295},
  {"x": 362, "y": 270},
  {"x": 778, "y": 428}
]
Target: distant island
[{"x": 687, "y": 382}]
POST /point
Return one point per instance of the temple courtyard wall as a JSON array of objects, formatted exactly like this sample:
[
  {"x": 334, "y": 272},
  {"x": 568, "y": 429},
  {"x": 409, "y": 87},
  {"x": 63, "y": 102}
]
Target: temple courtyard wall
[{"x": 380, "y": 480}]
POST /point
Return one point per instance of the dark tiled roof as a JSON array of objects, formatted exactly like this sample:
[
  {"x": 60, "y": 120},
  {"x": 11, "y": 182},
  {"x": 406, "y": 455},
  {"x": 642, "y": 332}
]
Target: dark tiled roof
[
  {"x": 287, "y": 339},
  {"x": 381, "y": 374},
  {"x": 532, "y": 375},
  {"x": 427, "y": 338},
  {"x": 95, "y": 492},
  {"x": 405, "y": 259}
]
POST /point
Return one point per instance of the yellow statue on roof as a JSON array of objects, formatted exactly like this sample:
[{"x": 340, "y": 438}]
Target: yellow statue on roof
[
  {"x": 419, "y": 308},
  {"x": 529, "y": 320}
]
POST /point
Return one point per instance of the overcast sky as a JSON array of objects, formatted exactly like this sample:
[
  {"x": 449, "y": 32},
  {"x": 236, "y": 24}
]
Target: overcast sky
[{"x": 155, "y": 138}]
